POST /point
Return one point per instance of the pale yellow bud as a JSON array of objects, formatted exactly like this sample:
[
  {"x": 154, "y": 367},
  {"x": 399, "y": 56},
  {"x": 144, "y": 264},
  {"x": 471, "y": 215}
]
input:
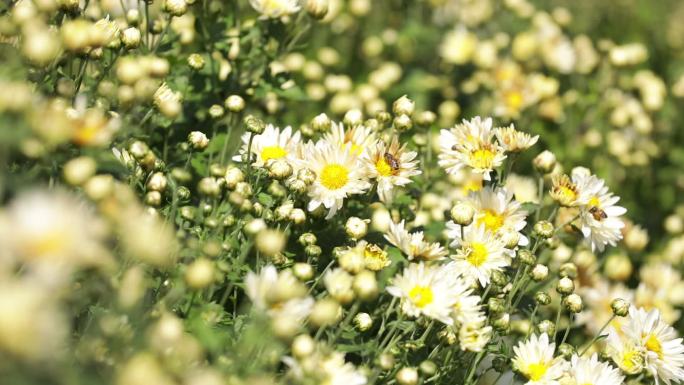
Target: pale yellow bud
[
  {"x": 200, "y": 274},
  {"x": 79, "y": 170}
]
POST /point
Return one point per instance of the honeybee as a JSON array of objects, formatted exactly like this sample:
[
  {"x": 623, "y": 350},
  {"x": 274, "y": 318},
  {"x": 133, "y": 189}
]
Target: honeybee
[
  {"x": 392, "y": 161},
  {"x": 597, "y": 213}
]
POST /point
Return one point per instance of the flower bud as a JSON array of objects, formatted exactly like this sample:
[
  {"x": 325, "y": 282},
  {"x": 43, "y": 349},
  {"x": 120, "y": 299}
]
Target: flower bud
[
  {"x": 255, "y": 226},
  {"x": 270, "y": 242},
  {"x": 352, "y": 262},
  {"x": 325, "y": 312},
  {"x": 297, "y": 216},
  {"x": 546, "y": 326},
  {"x": 317, "y": 8},
  {"x": 303, "y": 345},
  {"x": 407, "y": 376},
  {"x": 216, "y": 111},
  {"x": 386, "y": 361},
  {"x": 279, "y": 169},
  {"x": 618, "y": 267},
  {"x": 447, "y": 336},
  {"x": 254, "y": 124},
  {"x": 313, "y": 251},
  {"x": 307, "y": 239},
  {"x": 542, "y": 298},
  {"x": 402, "y": 123},
  {"x": 198, "y": 140},
  {"x": 235, "y": 103},
  {"x": 353, "y": 117},
  {"x": 363, "y": 322},
  {"x": 545, "y": 162},
  {"x": 153, "y": 198},
  {"x": 209, "y": 186},
  {"x": 321, "y": 123},
  {"x": 356, "y": 228},
  {"x": 496, "y": 305},
  {"x": 526, "y": 257},
  {"x": 565, "y": 286},
  {"x": 130, "y": 37},
  {"x": 544, "y": 229},
  {"x": 233, "y": 176},
  {"x": 510, "y": 238},
  {"x": 573, "y": 303},
  {"x": 620, "y": 307},
  {"x": 157, "y": 182},
  {"x": 79, "y": 170},
  {"x": 428, "y": 367},
  {"x": 462, "y": 213},
  {"x": 569, "y": 270},
  {"x": 196, "y": 61},
  {"x": 539, "y": 272},
  {"x": 306, "y": 175},
  {"x": 566, "y": 350},
  {"x": 200, "y": 274},
  {"x": 365, "y": 285},
  {"x": 403, "y": 106},
  {"x": 499, "y": 278},
  {"x": 303, "y": 271},
  {"x": 99, "y": 187},
  {"x": 502, "y": 323},
  {"x": 175, "y": 7}
]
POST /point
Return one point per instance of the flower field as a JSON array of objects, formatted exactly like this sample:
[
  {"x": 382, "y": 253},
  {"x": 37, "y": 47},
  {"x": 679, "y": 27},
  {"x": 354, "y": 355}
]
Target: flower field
[{"x": 341, "y": 192}]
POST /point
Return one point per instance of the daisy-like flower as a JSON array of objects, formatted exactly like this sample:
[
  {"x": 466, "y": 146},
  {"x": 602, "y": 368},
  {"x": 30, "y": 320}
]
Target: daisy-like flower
[
  {"x": 414, "y": 244},
  {"x": 513, "y": 140},
  {"x": 273, "y": 9},
  {"x": 427, "y": 290},
  {"x": 470, "y": 144},
  {"x": 564, "y": 191},
  {"x": 600, "y": 221},
  {"x": 338, "y": 175},
  {"x": 325, "y": 368},
  {"x": 390, "y": 165},
  {"x": 272, "y": 144},
  {"x": 474, "y": 336},
  {"x": 479, "y": 253},
  {"x": 359, "y": 138},
  {"x": 591, "y": 371},
  {"x": 498, "y": 212},
  {"x": 535, "y": 361},
  {"x": 664, "y": 350}
]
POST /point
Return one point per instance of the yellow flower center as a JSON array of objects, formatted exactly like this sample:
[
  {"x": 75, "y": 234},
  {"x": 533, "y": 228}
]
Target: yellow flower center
[
  {"x": 491, "y": 220},
  {"x": 272, "y": 152},
  {"x": 334, "y": 176},
  {"x": 478, "y": 254},
  {"x": 472, "y": 185},
  {"x": 536, "y": 371},
  {"x": 514, "y": 100},
  {"x": 421, "y": 296},
  {"x": 51, "y": 243},
  {"x": 355, "y": 149},
  {"x": 631, "y": 360},
  {"x": 566, "y": 194},
  {"x": 653, "y": 344},
  {"x": 383, "y": 168},
  {"x": 482, "y": 158},
  {"x": 594, "y": 202}
]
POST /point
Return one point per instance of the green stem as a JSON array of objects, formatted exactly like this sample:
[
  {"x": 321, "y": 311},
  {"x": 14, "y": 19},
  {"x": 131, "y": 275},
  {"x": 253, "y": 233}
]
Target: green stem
[{"x": 598, "y": 335}]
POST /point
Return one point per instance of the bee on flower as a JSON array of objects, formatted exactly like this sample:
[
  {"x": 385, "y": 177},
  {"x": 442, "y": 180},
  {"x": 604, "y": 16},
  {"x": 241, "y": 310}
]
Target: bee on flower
[
  {"x": 414, "y": 244},
  {"x": 272, "y": 144},
  {"x": 391, "y": 166},
  {"x": 431, "y": 291},
  {"x": 534, "y": 359},
  {"x": 470, "y": 144}
]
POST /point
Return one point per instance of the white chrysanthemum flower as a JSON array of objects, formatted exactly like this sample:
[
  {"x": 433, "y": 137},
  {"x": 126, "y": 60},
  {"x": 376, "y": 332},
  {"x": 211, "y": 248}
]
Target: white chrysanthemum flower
[
  {"x": 474, "y": 336},
  {"x": 390, "y": 165},
  {"x": 591, "y": 371},
  {"x": 275, "y": 8},
  {"x": 427, "y": 290},
  {"x": 470, "y": 144},
  {"x": 498, "y": 212},
  {"x": 599, "y": 216},
  {"x": 479, "y": 253},
  {"x": 263, "y": 289},
  {"x": 272, "y": 144},
  {"x": 52, "y": 232},
  {"x": 359, "y": 138},
  {"x": 513, "y": 140},
  {"x": 664, "y": 350},
  {"x": 325, "y": 368},
  {"x": 534, "y": 359},
  {"x": 414, "y": 244},
  {"x": 597, "y": 300},
  {"x": 338, "y": 175}
]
